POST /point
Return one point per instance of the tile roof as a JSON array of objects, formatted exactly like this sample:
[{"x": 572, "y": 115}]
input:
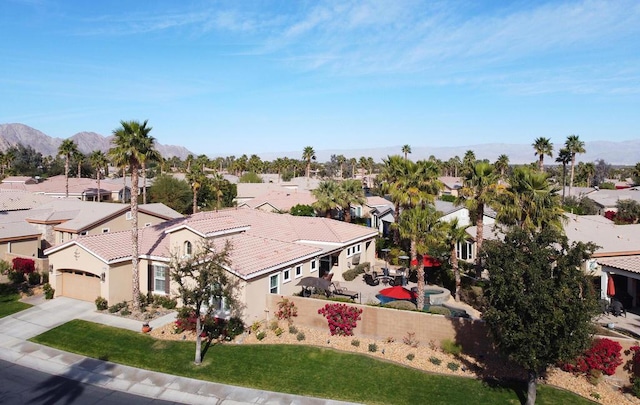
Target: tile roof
[
  {"x": 377, "y": 201},
  {"x": 13, "y": 230},
  {"x": 609, "y": 198},
  {"x": 610, "y": 237},
  {"x": 282, "y": 200},
  {"x": 628, "y": 263},
  {"x": 20, "y": 200}
]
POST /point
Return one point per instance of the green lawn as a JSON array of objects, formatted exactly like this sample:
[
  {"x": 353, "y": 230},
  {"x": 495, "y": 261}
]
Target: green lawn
[
  {"x": 298, "y": 370},
  {"x": 9, "y": 297}
]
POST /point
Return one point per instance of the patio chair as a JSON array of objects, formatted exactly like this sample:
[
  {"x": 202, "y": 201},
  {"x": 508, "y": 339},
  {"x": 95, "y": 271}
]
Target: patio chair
[{"x": 339, "y": 290}]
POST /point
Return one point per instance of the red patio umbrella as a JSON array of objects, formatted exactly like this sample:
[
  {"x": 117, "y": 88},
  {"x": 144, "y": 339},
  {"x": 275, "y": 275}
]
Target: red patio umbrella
[
  {"x": 427, "y": 261},
  {"x": 611, "y": 287},
  {"x": 399, "y": 293}
]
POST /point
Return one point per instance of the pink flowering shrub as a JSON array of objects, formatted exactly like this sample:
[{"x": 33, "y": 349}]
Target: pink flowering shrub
[
  {"x": 342, "y": 318},
  {"x": 603, "y": 355},
  {"x": 286, "y": 310}
]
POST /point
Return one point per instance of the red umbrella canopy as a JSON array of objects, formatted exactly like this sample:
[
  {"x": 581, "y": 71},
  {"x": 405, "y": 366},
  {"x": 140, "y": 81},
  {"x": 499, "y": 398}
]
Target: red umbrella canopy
[
  {"x": 427, "y": 261},
  {"x": 398, "y": 292},
  {"x": 611, "y": 287}
]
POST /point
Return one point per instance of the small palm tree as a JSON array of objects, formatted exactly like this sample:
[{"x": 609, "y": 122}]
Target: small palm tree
[
  {"x": 99, "y": 160},
  {"x": 350, "y": 192},
  {"x": 542, "y": 146},
  {"x": 564, "y": 158},
  {"x": 308, "y": 154},
  {"x": 574, "y": 145},
  {"x": 326, "y": 197},
  {"x": 455, "y": 234},
  {"x": 502, "y": 164},
  {"x": 67, "y": 149},
  {"x": 406, "y": 149},
  {"x": 79, "y": 157},
  {"x": 148, "y": 153}
]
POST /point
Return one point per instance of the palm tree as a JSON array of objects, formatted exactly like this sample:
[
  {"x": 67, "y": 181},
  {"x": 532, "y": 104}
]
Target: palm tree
[
  {"x": 128, "y": 145},
  {"x": 574, "y": 145},
  {"x": 216, "y": 186},
  {"x": 421, "y": 226},
  {"x": 589, "y": 170},
  {"x": 406, "y": 149},
  {"x": 353, "y": 162},
  {"x": 341, "y": 160},
  {"x": 530, "y": 202},
  {"x": 326, "y": 197},
  {"x": 350, "y": 192},
  {"x": 480, "y": 188},
  {"x": 99, "y": 160},
  {"x": 308, "y": 154},
  {"x": 468, "y": 161},
  {"x": 454, "y": 235},
  {"x": 149, "y": 153},
  {"x": 564, "y": 157},
  {"x": 542, "y": 146},
  {"x": 196, "y": 179},
  {"x": 502, "y": 164},
  {"x": 79, "y": 158},
  {"x": 67, "y": 149}
]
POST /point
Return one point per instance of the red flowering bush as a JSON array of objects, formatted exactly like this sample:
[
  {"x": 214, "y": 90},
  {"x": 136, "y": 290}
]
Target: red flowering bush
[
  {"x": 603, "y": 355},
  {"x": 24, "y": 266},
  {"x": 610, "y": 215},
  {"x": 286, "y": 310},
  {"x": 342, "y": 318}
]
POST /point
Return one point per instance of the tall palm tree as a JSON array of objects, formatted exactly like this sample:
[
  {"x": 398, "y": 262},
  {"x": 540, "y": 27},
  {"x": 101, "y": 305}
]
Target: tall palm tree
[
  {"x": 79, "y": 157},
  {"x": 468, "y": 161},
  {"x": 353, "y": 162},
  {"x": 341, "y": 160},
  {"x": 406, "y": 149},
  {"x": 564, "y": 158},
  {"x": 67, "y": 149},
  {"x": 542, "y": 146},
  {"x": 196, "y": 179},
  {"x": 589, "y": 171},
  {"x": 308, "y": 154},
  {"x": 350, "y": 192},
  {"x": 454, "y": 235},
  {"x": 99, "y": 160},
  {"x": 574, "y": 145},
  {"x": 502, "y": 164},
  {"x": 216, "y": 186},
  {"x": 149, "y": 153},
  {"x": 421, "y": 226},
  {"x": 326, "y": 197},
  {"x": 480, "y": 188},
  {"x": 128, "y": 145}
]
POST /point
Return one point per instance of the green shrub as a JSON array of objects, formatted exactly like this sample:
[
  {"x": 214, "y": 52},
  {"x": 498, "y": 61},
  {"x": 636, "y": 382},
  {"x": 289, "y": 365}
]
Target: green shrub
[
  {"x": 595, "y": 376},
  {"x": 439, "y": 311},
  {"x": 45, "y": 278},
  {"x": 101, "y": 304},
  {"x": 453, "y": 366},
  {"x": 351, "y": 274},
  {"x": 435, "y": 360},
  {"x": 255, "y": 326},
  {"x": 355, "y": 343},
  {"x": 595, "y": 395},
  {"x": 278, "y": 331},
  {"x": 373, "y": 347},
  {"x": 273, "y": 325},
  {"x": 300, "y": 336},
  {"x": 450, "y": 347},
  {"x": 165, "y": 301},
  {"x": 48, "y": 291},
  {"x": 401, "y": 304},
  {"x": 16, "y": 277},
  {"x": 410, "y": 356},
  {"x": 635, "y": 386},
  {"x": 235, "y": 326},
  {"x": 118, "y": 307},
  {"x": 125, "y": 312},
  {"x": 34, "y": 278},
  {"x": 261, "y": 335},
  {"x": 293, "y": 330}
]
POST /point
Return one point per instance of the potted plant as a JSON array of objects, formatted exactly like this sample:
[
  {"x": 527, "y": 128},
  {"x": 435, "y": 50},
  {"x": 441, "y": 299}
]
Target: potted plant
[{"x": 145, "y": 327}]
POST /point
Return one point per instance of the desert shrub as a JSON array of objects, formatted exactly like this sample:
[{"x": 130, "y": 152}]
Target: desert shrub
[
  {"x": 117, "y": 307},
  {"x": 45, "y": 278},
  {"x": 48, "y": 291},
  {"x": 293, "y": 330},
  {"x": 389, "y": 339},
  {"x": 595, "y": 395},
  {"x": 435, "y": 360},
  {"x": 278, "y": 331},
  {"x": 125, "y": 311},
  {"x": 5, "y": 267},
  {"x": 300, "y": 336},
  {"x": 34, "y": 278},
  {"x": 373, "y": 347},
  {"x": 355, "y": 343},
  {"x": 342, "y": 319},
  {"x": 401, "y": 304},
  {"x": 410, "y": 356},
  {"x": 594, "y": 377},
  {"x": 16, "y": 277},
  {"x": 451, "y": 347},
  {"x": 165, "y": 301},
  {"x": 439, "y": 311},
  {"x": 101, "y": 303},
  {"x": 286, "y": 310},
  {"x": 410, "y": 339},
  {"x": 432, "y": 345},
  {"x": 255, "y": 326},
  {"x": 351, "y": 274},
  {"x": 453, "y": 366},
  {"x": 635, "y": 386},
  {"x": 261, "y": 335},
  {"x": 273, "y": 325},
  {"x": 603, "y": 355}
]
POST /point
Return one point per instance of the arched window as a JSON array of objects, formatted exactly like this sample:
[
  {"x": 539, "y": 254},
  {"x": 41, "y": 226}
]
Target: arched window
[{"x": 187, "y": 248}]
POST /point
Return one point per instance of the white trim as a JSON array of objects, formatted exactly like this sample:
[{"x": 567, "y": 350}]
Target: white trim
[
  {"x": 277, "y": 286},
  {"x": 286, "y": 275},
  {"x": 297, "y": 271},
  {"x": 313, "y": 267}
]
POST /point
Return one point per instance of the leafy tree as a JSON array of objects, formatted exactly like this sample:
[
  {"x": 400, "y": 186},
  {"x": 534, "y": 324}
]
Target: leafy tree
[
  {"x": 171, "y": 192},
  {"x": 574, "y": 145},
  {"x": 67, "y": 149},
  {"x": 540, "y": 304},
  {"x": 250, "y": 177},
  {"x": 128, "y": 145},
  {"x": 628, "y": 211},
  {"x": 580, "y": 206},
  {"x": 202, "y": 280},
  {"x": 602, "y": 172},
  {"x": 542, "y": 146},
  {"x": 302, "y": 210},
  {"x": 23, "y": 160}
]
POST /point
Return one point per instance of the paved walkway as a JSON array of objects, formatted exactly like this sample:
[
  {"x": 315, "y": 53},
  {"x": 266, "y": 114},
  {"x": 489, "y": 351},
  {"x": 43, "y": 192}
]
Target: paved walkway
[{"x": 44, "y": 315}]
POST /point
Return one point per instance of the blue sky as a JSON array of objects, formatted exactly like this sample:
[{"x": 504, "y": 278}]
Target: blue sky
[{"x": 233, "y": 77}]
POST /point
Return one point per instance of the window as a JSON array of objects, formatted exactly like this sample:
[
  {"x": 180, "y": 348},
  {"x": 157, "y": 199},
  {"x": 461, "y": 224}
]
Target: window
[
  {"x": 298, "y": 271},
  {"x": 83, "y": 233},
  {"x": 465, "y": 250},
  {"x": 188, "y": 250},
  {"x": 105, "y": 230},
  {"x": 159, "y": 278},
  {"x": 353, "y": 250},
  {"x": 286, "y": 275},
  {"x": 314, "y": 265},
  {"x": 273, "y": 284}
]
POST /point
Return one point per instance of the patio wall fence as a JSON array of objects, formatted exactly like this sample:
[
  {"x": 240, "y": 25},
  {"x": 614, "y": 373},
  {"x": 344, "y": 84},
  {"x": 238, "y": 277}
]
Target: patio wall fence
[{"x": 382, "y": 323}]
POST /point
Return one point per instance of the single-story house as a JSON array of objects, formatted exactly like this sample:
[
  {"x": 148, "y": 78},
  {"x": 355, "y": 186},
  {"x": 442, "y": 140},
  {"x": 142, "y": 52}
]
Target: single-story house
[{"x": 270, "y": 252}]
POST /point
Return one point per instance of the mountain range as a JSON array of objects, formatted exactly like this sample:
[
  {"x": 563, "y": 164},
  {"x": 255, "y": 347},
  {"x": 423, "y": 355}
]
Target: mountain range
[{"x": 616, "y": 153}]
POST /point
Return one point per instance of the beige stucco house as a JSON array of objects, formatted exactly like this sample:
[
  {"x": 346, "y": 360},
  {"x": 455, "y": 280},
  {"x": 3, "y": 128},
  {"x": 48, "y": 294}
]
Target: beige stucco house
[{"x": 270, "y": 252}]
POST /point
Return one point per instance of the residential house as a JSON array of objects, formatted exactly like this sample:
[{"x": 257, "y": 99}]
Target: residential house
[
  {"x": 451, "y": 185},
  {"x": 279, "y": 200},
  {"x": 606, "y": 199},
  {"x": 84, "y": 189},
  {"x": 270, "y": 252}
]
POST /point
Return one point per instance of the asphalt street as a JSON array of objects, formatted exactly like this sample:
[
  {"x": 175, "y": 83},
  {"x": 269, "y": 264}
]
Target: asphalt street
[{"x": 21, "y": 385}]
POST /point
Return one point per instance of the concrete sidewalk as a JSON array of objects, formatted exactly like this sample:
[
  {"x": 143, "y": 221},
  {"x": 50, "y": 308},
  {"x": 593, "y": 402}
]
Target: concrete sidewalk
[{"x": 44, "y": 315}]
